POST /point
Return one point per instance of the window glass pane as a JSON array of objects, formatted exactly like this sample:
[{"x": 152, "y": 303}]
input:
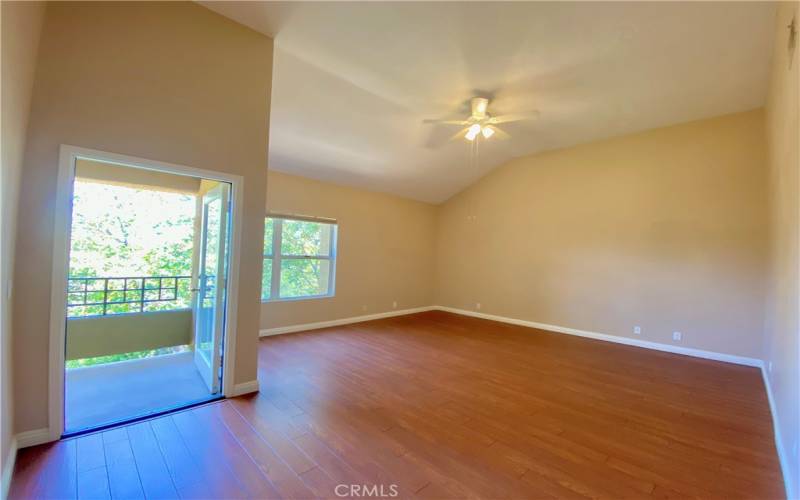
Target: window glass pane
[
  {"x": 269, "y": 227},
  {"x": 266, "y": 279},
  {"x": 304, "y": 277},
  {"x": 305, "y": 238}
]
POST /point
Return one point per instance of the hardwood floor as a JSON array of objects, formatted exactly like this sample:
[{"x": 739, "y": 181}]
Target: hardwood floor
[{"x": 441, "y": 406}]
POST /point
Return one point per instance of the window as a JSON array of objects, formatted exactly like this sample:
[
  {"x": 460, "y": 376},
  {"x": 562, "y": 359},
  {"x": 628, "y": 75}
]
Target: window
[{"x": 299, "y": 259}]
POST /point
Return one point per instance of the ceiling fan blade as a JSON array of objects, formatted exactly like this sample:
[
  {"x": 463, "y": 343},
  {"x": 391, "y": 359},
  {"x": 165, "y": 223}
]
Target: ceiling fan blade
[
  {"x": 445, "y": 122},
  {"x": 439, "y": 136},
  {"x": 514, "y": 117},
  {"x": 500, "y": 133},
  {"x": 460, "y": 134}
]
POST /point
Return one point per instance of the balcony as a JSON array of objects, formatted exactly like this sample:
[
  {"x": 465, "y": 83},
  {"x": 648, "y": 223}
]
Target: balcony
[{"x": 129, "y": 349}]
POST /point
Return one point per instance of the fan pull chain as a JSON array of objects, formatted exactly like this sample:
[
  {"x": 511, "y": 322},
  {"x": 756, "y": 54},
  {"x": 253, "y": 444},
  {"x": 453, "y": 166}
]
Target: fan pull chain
[{"x": 474, "y": 165}]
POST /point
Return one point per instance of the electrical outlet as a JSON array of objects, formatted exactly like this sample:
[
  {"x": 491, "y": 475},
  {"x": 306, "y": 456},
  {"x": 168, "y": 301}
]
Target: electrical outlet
[
  {"x": 478, "y": 306},
  {"x": 769, "y": 367},
  {"x": 364, "y": 308},
  {"x": 677, "y": 336},
  {"x": 394, "y": 305},
  {"x": 637, "y": 330}
]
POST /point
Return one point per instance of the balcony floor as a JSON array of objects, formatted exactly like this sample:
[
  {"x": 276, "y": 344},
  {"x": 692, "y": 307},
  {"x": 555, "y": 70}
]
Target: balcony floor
[{"x": 104, "y": 394}]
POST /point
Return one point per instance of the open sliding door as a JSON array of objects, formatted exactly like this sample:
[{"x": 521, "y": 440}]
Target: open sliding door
[{"x": 209, "y": 304}]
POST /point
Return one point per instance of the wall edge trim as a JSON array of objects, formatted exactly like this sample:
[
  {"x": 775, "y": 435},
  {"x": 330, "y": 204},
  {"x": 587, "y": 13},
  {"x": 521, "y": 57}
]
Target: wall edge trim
[
  {"x": 8, "y": 467},
  {"x": 34, "y": 437},
  {"x": 268, "y": 332},
  {"x": 783, "y": 458},
  {"x": 686, "y": 351},
  {"x": 244, "y": 388}
]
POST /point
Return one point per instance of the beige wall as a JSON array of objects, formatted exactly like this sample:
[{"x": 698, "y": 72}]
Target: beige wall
[
  {"x": 20, "y": 26},
  {"x": 663, "y": 229},
  {"x": 119, "y": 333},
  {"x": 385, "y": 250},
  {"x": 172, "y": 82},
  {"x": 782, "y": 324}
]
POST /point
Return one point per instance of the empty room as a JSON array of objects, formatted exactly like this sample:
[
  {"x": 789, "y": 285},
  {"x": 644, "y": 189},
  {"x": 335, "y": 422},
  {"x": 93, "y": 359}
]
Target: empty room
[{"x": 443, "y": 250}]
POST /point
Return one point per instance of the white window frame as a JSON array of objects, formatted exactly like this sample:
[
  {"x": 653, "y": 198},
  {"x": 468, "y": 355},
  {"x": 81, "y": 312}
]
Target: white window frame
[{"x": 277, "y": 257}]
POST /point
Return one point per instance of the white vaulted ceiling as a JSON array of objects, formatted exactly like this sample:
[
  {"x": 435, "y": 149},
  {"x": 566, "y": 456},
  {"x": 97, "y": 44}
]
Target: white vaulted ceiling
[{"x": 353, "y": 82}]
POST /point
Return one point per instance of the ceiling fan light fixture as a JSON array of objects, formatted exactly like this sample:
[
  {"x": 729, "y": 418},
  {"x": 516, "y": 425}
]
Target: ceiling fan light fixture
[
  {"x": 480, "y": 122},
  {"x": 473, "y": 132}
]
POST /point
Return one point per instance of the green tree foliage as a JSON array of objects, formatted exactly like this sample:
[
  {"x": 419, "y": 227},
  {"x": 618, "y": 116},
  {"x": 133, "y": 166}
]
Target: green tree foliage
[
  {"x": 112, "y": 358},
  {"x": 172, "y": 258},
  {"x": 299, "y": 277},
  {"x": 120, "y": 231}
]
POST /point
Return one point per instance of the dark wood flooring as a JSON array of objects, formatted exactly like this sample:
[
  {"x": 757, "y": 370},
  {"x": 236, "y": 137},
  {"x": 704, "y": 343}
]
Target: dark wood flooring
[{"x": 440, "y": 406}]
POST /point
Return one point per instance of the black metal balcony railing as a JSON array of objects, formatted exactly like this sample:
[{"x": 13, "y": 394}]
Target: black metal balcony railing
[{"x": 129, "y": 294}]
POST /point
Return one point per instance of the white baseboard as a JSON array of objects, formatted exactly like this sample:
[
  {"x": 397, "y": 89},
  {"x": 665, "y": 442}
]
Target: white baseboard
[
  {"x": 338, "y": 322},
  {"x": 243, "y": 388},
  {"x": 687, "y": 351},
  {"x": 34, "y": 437},
  {"x": 783, "y": 458},
  {"x": 8, "y": 468}
]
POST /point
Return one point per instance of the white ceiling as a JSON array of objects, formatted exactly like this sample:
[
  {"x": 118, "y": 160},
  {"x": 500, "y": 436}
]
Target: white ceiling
[{"x": 354, "y": 81}]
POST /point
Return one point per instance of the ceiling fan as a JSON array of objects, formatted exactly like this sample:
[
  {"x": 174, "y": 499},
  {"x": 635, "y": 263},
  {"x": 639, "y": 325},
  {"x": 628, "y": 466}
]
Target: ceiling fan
[{"x": 481, "y": 122}]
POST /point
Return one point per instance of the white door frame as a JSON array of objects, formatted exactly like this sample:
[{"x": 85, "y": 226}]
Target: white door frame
[{"x": 61, "y": 244}]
